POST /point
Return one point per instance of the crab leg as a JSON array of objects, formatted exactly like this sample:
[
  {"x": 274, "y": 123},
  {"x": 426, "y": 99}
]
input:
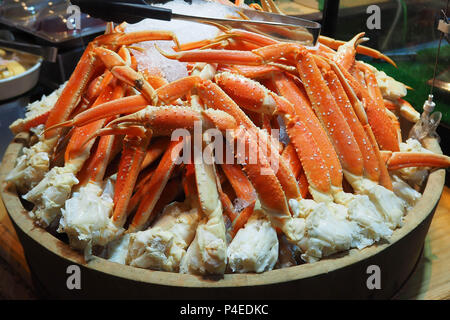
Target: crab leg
[
  {"x": 135, "y": 149},
  {"x": 345, "y": 55},
  {"x": 95, "y": 167},
  {"x": 270, "y": 193},
  {"x": 72, "y": 91},
  {"x": 130, "y": 164},
  {"x": 252, "y": 72},
  {"x": 132, "y": 104},
  {"x": 215, "y": 97},
  {"x": 155, "y": 186},
  {"x": 76, "y": 147},
  {"x": 207, "y": 253},
  {"x": 311, "y": 158},
  {"x": 295, "y": 94},
  {"x": 86, "y": 68},
  {"x": 216, "y": 56},
  {"x": 370, "y": 160},
  {"x": 124, "y": 72},
  {"x": 229, "y": 82},
  {"x": 152, "y": 116},
  {"x": 155, "y": 151},
  {"x": 75, "y": 156},
  {"x": 335, "y": 44},
  {"x": 407, "y": 110},
  {"x": 290, "y": 155},
  {"x": 384, "y": 179},
  {"x": 377, "y": 117},
  {"x": 25, "y": 125},
  {"x": 244, "y": 191},
  {"x": 267, "y": 186},
  {"x": 399, "y": 160},
  {"x": 259, "y": 100}
]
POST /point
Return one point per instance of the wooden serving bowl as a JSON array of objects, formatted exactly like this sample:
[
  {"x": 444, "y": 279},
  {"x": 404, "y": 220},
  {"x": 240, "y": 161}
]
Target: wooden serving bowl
[{"x": 341, "y": 276}]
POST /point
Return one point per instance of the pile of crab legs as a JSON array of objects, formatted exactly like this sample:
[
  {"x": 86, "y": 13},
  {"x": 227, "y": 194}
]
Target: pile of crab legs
[{"x": 338, "y": 123}]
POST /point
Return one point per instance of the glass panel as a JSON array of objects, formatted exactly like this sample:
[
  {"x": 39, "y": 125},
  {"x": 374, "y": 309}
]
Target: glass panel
[{"x": 47, "y": 19}]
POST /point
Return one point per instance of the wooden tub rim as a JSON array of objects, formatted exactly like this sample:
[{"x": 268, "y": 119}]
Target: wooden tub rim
[{"x": 20, "y": 217}]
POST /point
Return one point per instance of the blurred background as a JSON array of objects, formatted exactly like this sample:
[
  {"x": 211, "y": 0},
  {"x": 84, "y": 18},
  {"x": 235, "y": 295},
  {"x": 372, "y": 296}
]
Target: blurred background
[{"x": 408, "y": 34}]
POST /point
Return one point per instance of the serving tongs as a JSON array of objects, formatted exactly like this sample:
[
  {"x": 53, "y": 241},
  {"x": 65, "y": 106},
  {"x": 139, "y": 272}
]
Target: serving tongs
[
  {"x": 279, "y": 27},
  {"x": 7, "y": 41},
  {"x": 47, "y": 53}
]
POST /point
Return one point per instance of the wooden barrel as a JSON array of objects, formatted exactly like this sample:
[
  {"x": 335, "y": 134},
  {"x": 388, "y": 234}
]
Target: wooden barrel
[{"x": 345, "y": 275}]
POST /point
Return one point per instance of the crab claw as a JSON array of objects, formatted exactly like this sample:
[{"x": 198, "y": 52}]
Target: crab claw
[{"x": 399, "y": 160}]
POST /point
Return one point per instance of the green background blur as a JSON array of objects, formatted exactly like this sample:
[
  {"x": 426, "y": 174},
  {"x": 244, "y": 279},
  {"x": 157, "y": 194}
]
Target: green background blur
[{"x": 409, "y": 35}]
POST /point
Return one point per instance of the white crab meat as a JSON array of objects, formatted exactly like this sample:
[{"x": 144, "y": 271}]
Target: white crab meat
[
  {"x": 392, "y": 207},
  {"x": 390, "y": 88},
  {"x": 30, "y": 168},
  {"x": 373, "y": 225},
  {"x": 302, "y": 208},
  {"x": 164, "y": 245},
  {"x": 405, "y": 191},
  {"x": 33, "y": 165},
  {"x": 117, "y": 250},
  {"x": 50, "y": 194},
  {"x": 414, "y": 175},
  {"x": 386, "y": 202},
  {"x": 362, "y": 211},
  {"x": 353, "y": 222},
  {"x": 86, "y": 216},
  {"x": 255, "y": 247},
  {"x": 327, "y": 231},
  {"x": 207, "y": 253}
]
